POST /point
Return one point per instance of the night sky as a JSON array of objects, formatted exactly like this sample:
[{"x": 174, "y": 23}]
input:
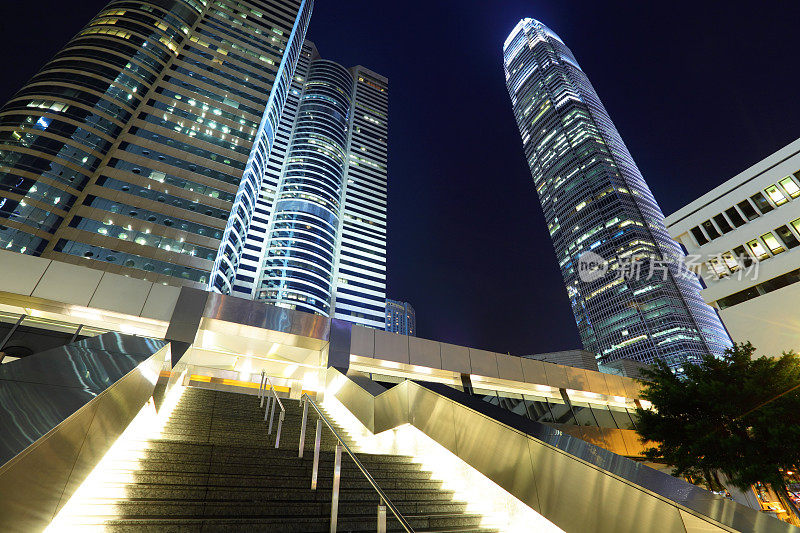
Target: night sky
[{"x": 698, "y": 90}]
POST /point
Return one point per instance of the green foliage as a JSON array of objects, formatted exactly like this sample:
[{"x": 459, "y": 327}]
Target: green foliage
[{"x": 739, "y": 415}]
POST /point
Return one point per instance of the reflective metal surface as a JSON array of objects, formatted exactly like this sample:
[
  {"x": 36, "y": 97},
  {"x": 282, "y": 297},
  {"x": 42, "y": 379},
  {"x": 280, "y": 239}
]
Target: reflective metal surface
[
  {"x": 576, "y": 485},
  {"x": 60, "y": 410},
  {"x": 261, "y": 315}
]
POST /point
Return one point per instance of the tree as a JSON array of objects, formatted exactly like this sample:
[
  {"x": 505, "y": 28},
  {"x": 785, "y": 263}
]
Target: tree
[{"x": 739, "y": 415}]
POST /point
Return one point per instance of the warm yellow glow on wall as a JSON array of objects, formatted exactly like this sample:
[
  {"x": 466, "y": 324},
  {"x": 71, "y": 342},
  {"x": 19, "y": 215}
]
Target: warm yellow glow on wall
[
  {"x": 498, "y": 507},
  {"x": 96, "y": 499}
]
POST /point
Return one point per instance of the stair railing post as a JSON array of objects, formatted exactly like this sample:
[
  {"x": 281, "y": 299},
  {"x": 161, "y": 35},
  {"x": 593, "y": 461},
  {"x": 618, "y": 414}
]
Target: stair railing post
[
  {"x": 271, "y": 416},
  {"x": 337, "y": 474},
  {"x": 262, "y": 388},
  {"x": 278, "y": 436},
  {"x": 303, "y": 429},
  {"x": 266, "y": 411},
  {"x": 317, "y": 442},
  {"x": 382, "y": 516}
]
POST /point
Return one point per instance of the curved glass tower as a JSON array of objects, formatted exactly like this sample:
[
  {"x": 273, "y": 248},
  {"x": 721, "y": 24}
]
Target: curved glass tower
[
  {"x": 629, "y": 295},
  {"x": 300, "y": 254},
  {"x": 318, "y": 236},
  {"x": 131, "y": 148}
]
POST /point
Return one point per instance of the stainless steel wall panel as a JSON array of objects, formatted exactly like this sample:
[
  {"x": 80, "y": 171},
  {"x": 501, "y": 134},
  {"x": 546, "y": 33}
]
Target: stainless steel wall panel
[
  {"x": 32, "y": 483},
  {"x": 61, "y": 410},
  {"x": 28, "y": 270},
  {"x": 391, "y": 407},
  {"x": 70, "y": 284},
  {"x": 116, "y": 407},
  {"x": 556, "y": 376},
  {"x": 577, "y": 379},
  {"x": 533, "y": 371},
  {"x": 694, "y": 524},
  {"x": 391, "y": 347},
  {"x": 483, "y": 363},
  {"x": 160, "y": 302},
  {"x": 121, "y": 294},
  {"x": 362, "y": 341},
  {"x": 510, "y": 367},
  {"x": 455, "y": 358},
  {"x": 579, "y": 498},
  {"x": 497, "y": 452},
  {"x": 424, "y": 352},
  {"x": 261, "y": 315},
  {"x": 432, "y": 415},
  {"x": 597, "y": 383},
  {"x": 358, "y": 401}
]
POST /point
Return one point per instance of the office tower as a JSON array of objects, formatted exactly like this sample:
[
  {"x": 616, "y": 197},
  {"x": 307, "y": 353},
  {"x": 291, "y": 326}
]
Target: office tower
[
  {"x": 318, "y": 238},
  {"x": 631, "y": 299},
  {"x": 130, "y": 149},
  {"x": 400, "y": 318},
  {"x": 746, "y": 235}
]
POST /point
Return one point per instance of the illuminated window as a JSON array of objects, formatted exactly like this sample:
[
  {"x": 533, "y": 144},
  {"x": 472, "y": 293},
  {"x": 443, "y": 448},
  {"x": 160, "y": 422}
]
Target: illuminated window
[
  {"x": 774, "y": 246},
  {"x": 762, "y": 203},
  {"x": 717, "y": 267},
  {"x": 731, "y": 262},
  {"x": 758, "y": 250},
  {"x": 790, "y": 186},
  {"x": 776, "y": 195}
]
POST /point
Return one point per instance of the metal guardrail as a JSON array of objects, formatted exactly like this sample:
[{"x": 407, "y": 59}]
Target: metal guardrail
[
  {"x": 384, "y": 501},
  {"x": 271, "y": 401}
]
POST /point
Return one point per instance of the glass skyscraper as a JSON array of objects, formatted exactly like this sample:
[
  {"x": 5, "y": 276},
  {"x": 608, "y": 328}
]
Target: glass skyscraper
[
  {"x": 138, "y": 149},
  {"x": 635, "y": 301},
  {"x": 317, "y": 242}
]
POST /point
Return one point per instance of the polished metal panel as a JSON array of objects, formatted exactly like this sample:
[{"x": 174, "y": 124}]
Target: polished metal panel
[
  {"x": 317, "y": 442},
  {"x": 186, "y": 315},
  {"x": 337, "y": 476},
  {"x": 280, "y": 425},
  {"x": 60, "y": 412},
  {"x": 381, "y": 518},
  {"x": 391, "y": 408},
  {"x": 576, "y": 485},
  {"x": 359, "y": 401},
  {"x": 303, "y": 430},
  {"x": 339, "y": 349},
  {"x": 265, "y": 316}
]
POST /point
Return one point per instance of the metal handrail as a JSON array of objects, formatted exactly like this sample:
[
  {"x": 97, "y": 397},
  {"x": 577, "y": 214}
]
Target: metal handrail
[
  {"x": 262, "y": 393},
  {"x": 342, "y": 444}
]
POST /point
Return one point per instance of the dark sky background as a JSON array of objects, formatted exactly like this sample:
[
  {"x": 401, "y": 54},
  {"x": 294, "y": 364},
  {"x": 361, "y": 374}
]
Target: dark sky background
[{"x": 698, "y": 90}]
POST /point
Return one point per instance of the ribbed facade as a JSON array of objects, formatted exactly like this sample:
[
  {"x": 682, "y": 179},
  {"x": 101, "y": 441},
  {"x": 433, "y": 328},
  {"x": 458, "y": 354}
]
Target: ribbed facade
[
  {"x": 595, "y": 199},
  {"x": 318, "y": 239},
  {"x": 130, "y": 150}
]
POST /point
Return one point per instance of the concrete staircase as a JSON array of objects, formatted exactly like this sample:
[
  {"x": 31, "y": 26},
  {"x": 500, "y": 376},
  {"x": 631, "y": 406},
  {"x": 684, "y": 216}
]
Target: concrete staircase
[{"x": 214, "y": 468}]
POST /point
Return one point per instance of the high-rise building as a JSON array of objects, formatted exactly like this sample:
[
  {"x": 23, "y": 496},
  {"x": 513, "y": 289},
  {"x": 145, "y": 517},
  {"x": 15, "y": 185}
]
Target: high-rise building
[
  {"x": 318, "y": 238},
  {"x": 131, "y": 148},
  {"x": 622, "y": 271},
  {"x": 401, "y": 318},
  {"x": 745, "y": 238}
]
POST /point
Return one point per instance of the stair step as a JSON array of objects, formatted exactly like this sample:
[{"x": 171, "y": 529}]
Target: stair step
[{"x": 214, "y": 467}]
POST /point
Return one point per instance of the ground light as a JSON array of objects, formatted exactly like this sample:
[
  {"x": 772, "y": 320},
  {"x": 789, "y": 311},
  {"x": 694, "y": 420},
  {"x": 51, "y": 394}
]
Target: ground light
[
  {"x": 498, "y": 507},
  {"x": 96, "y": 499}
]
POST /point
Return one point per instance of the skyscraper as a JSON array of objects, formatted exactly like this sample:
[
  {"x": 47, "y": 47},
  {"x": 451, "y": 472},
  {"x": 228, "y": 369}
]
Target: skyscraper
[
  {"x": 400, "y": 318},
  {"x": 138, "y": 148},
  {"x": 635, "y": 301},
  {"x": 318, "y": 238}
]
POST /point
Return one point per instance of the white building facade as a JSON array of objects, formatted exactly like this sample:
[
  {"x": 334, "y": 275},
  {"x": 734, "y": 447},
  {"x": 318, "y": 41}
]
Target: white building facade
[{"x": 744, "y": 237}]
